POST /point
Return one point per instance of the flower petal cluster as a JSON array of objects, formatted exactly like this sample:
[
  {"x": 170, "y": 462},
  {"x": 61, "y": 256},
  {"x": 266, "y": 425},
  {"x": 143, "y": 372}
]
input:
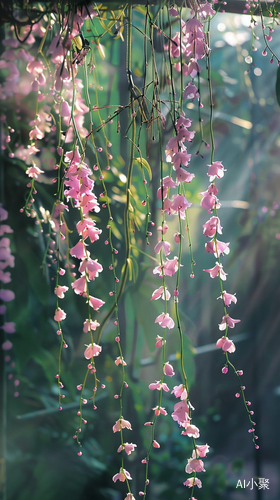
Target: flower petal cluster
[
  {"x": 161, "y": 292},
  {"x": 169, "y": 268},
  {"x": 127, "y": 447},
  {"x": 159, "y": 385},
  {"x": 228, "y": 321},
  {"x": 215, "y": 170},
  {"x": 90, "y": 325},
  {"x": 159, "y": 411},
  {"x": 211, "y": 227},
  {"x": 122, "y": 476},
  {"x": 191, "y": 431},
  {"x": 226, "y": 344},
  {"x": 194, "y": 465},
  {"x": 6, "y": 260},
  {"x": 209, "y": 199},
  {"x": 165, "y": 321},
  {"x": 180, "y": 391},
  {"x": 228, "y": 298},
  {"x": 92, "y": 350},
  {"x": 181, "y": 413},
  {"x": 191, "y": 92},
  {"x": 168, "y": 369},
  {"x": 217, "y": 270},
  {"x": 217, "y": 247},
  {"x": 193, "y": 481},
  {"x": 121, "y": 424}
]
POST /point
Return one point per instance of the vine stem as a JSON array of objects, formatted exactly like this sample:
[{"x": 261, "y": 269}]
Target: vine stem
[
  {"x": 128, "y": 184},
  {"x": 211, "y": 104}
]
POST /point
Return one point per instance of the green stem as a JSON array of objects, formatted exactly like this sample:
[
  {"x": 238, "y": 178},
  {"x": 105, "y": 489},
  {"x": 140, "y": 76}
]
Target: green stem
[{"x": 211, "y": 104}]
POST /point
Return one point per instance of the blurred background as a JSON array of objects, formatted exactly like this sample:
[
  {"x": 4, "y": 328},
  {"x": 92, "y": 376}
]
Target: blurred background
[{"x": 42, "y": 459}]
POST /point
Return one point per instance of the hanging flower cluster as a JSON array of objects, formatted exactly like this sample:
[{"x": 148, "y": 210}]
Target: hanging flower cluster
[
  {"x": 6, "y": 295},
  {"x": 211, "y": 229},
  {"x": 177, "y": 155}
]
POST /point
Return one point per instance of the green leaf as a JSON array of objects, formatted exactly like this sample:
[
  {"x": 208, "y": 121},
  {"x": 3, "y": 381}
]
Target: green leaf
[
  {"x": 277, "y": 88},
  {"x": 146, "y": 165}
]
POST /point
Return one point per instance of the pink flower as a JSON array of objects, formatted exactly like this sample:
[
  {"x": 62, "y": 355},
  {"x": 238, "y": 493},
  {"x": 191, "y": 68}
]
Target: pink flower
[
  {"x": 183, "y": 176},
  {"x": 7, "y": 345},
  {"x": 217, "y": 247},
  {"x": 180, "y": 204},
  {"x": 180, "y": 391},
  {"x": 35, "y": 67},
  {"x": 170, "y": 267},
  {"x": 129, "y": 496},
  {"x": 90, "y": 325},
  {"x": 194, "y": 465},
  {"x": 165, "y": 321},
  {"x": 158, "y": 385},
  {"x": 34, "y": 172},
  {"x": 193, "y": 481},
  {"x": 35, "y": 133},
  {"x": 9, "y": 327},
  {"x": 205, "y": 10},
  {"x": 192, "y": 68},
  {"x": 80, "y": 285},
  {"x": 5, "y": 229},
  {"x": 177, "y": 237},
  {"x": 173, "y": 12},
  {"x": 127, "y": 447},
  {"x": 91, "y": 267},
  {"x": 228, "y": 298},
  {"x": 59, "y": 315},
  {"x": 209, "y": 200},
  {"x": 122, "y": 476},
  {"x": 217, "y": 270},
  {"x": 79, "y": 250},
  {"x": 168, "y": 369},
  {"x": 163, "y": 244},
  {"x": 193, "y": 29},
  {"x": 172, "y": 147},
  {"x": 202, "y": 449},
  {"x": 60, "y": 291},
  {"x": 181, "y": 413},
  {"x": 212, "y": 226},
  {"x": 159, "y": 341},
  {"x": 227, "y": 320},
  {"x": 215, "y": 170},
  {"x": 95, "y": 303},
  {"x": 120, "y": 361},
  {"x": 3, "y": 213},
  {"x": 191, "y": 92},
  {"x": 167, "y": 182},
  {"x": 121, "y": 424},
  {"x": 191, "y": 431},
  {"x": 5, "y": 277},
  {"x": 175, "y": 47},
  {"x": 226, "y": 344},
  {"x": 65, "y": 109},
  {"x": 181, "y": 158},
  {"x": 92, "y": 350},
  {"x": 159, "y": 292},
  {"x": 92, "y": 233},
  {"x": 163, "y": 228},
  {"x": 159, "y": 411}
]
